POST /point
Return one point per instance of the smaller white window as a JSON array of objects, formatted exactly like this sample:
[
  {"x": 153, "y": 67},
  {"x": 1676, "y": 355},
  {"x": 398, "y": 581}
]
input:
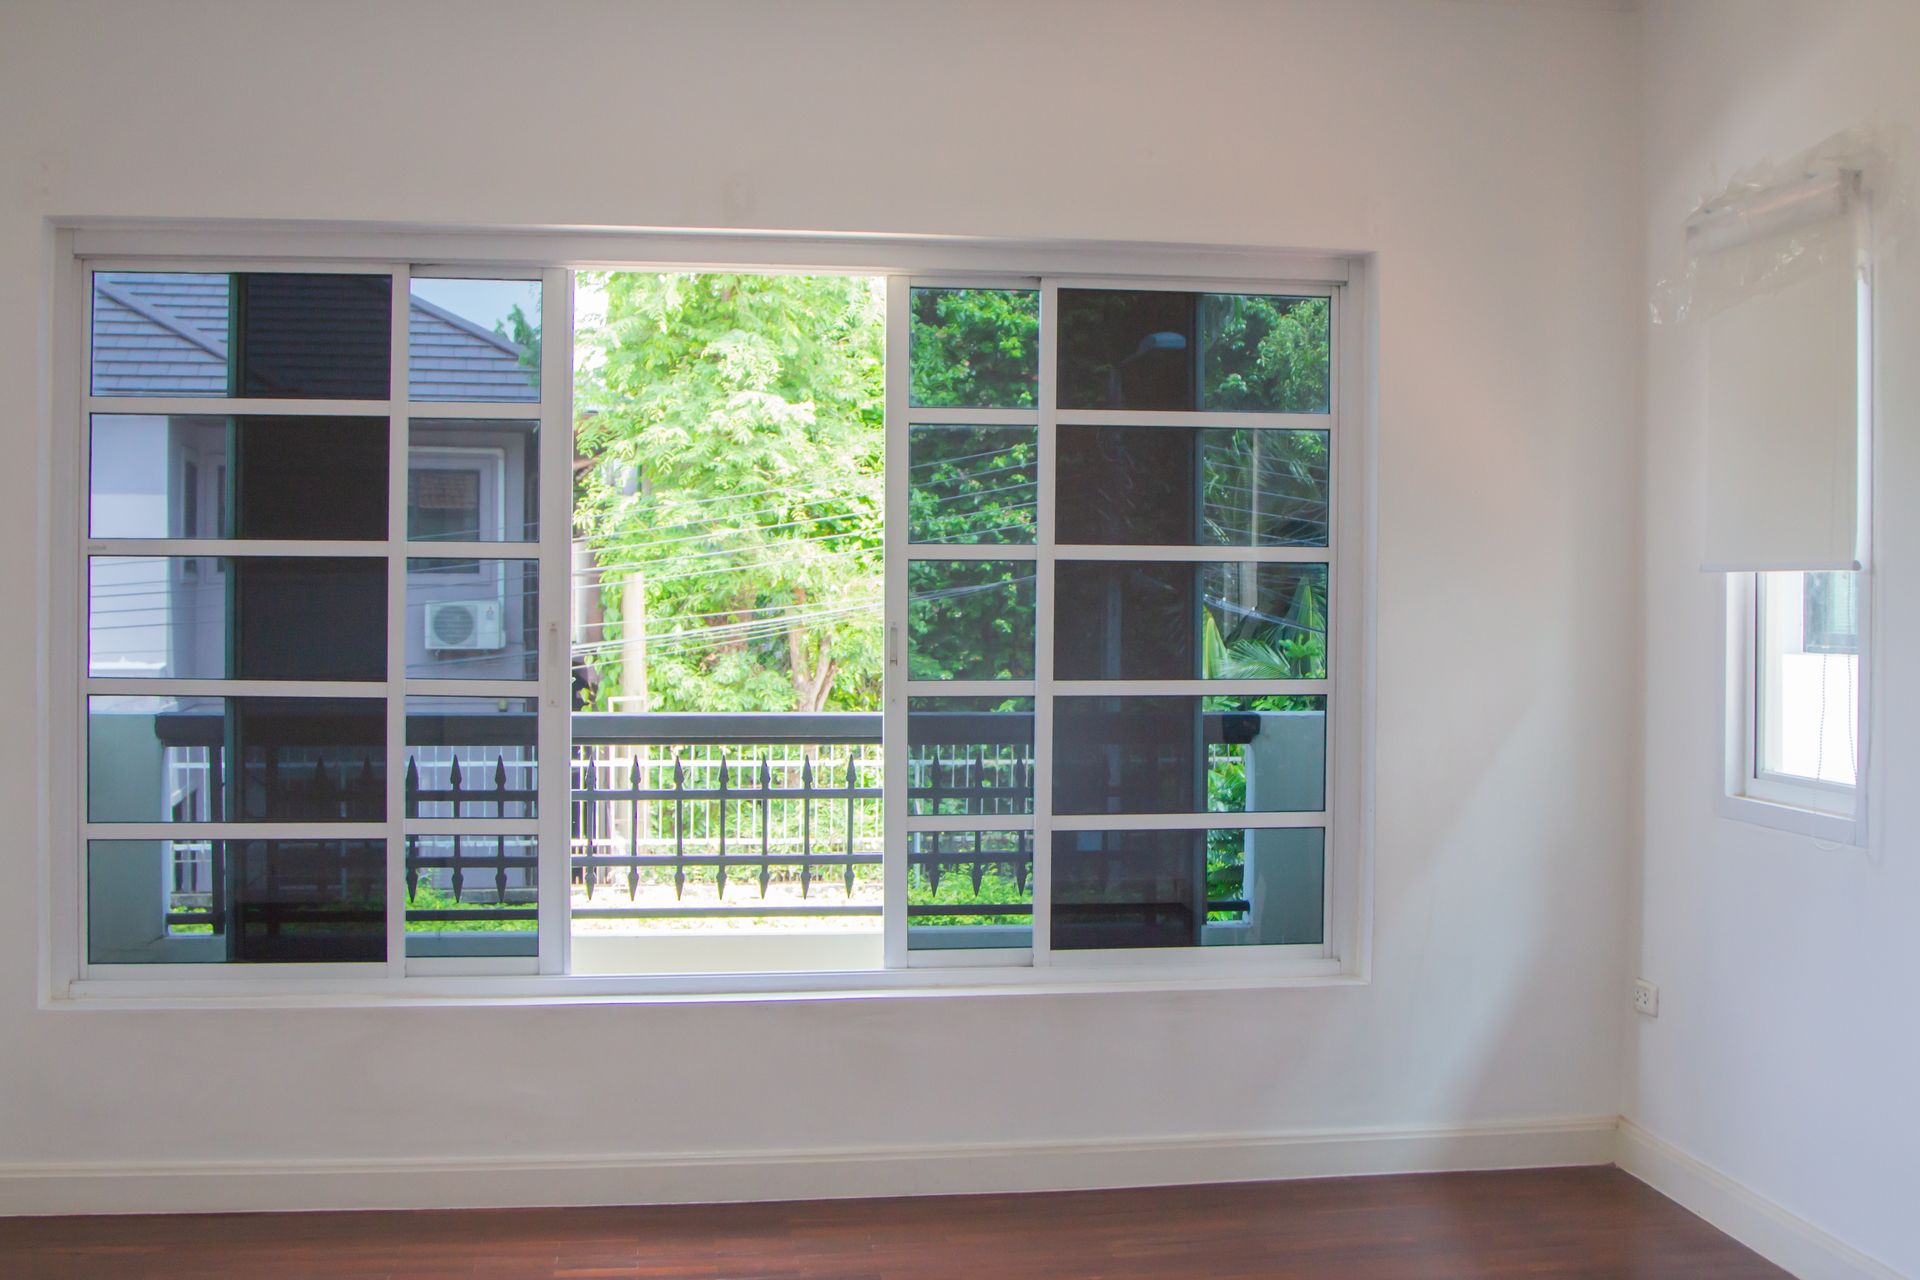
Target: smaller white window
[{"x": 1795, "y": 741}]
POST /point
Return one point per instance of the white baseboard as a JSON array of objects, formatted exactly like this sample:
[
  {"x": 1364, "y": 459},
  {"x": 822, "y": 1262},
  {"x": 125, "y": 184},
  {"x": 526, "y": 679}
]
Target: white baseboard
[
  {"x": 1772, "y": 1232},
  {"x": 204, "y": 1187}
]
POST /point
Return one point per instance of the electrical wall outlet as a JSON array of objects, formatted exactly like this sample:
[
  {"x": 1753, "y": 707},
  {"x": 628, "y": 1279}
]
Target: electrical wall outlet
[{"x": 1646, "y": 998}]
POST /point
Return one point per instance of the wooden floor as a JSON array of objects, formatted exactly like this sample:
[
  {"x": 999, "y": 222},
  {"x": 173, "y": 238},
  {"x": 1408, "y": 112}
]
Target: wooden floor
[{"x": 1473, "y": 1226}]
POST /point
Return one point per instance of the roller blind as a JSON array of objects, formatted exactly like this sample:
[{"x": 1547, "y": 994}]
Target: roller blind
[{"x": 1783, "y": 424}]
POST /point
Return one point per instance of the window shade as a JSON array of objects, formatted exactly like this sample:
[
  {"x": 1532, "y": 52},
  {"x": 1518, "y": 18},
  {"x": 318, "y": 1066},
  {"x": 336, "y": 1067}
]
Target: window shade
[{"x": 1783, "y": 473}]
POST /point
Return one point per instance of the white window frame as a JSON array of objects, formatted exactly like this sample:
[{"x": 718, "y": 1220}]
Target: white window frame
[
  {"x": 1825, "y": 811},
  {"x": 1345, "y": 955}
]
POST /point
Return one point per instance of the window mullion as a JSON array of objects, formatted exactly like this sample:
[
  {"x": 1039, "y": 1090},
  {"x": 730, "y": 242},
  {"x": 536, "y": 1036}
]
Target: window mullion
[
  {"x": 397, "y": 628},
  {"x": 1043, "y": 624}
]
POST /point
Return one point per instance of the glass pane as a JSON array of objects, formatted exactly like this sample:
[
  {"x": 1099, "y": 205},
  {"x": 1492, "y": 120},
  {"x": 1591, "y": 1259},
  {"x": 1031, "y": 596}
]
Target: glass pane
[
  {"x": 1126, "y": 349},
  {"x": 969, "y": 889},
  {"x": 1171, "y": 753},
  {"x": 162, "y": 333},
  {"x": 970, "y": 619},
  {"x": 1188, "y": 888},
  {"x": 315, "y": 336},
  {"x": 472, "y": 757},
  {"x": 1187, "y": 486},
  {"x": 1807, "y": 722},
  {"x": 975, "y": 348},
  {"x": 250, "y": 477},
  {"x": 473, "y": 895},
  {"x": 969, "y": 755},
  {"x": 972, "y": 484},
  {"x": 474, "y": 340},
  {"x": 473, "y": 481},
  {"x": 287, "y": 335},
  {"x": 237, "y": 617},
  {"x": 1168, "y": 620},
  {"x": 473, "y": 619},
  {"x": 236, "y": 901},
  {"x": 1260, "y": 353},
  {"x": 1140, "y": 349},
  {"x": 163, "y": 759}
]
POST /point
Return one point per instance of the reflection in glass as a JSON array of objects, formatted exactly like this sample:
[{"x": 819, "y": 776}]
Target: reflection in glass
[
  {"x": 1174, "y": 753},
  {"x": 236, "y": 901},
  {"x": 1187, "y": 486},
  {"x": 471, "y": 339},
  {"x": 974, "y": 348},
  {"x": 237, "y": 617},
  {"x": 972, "y": 484},
  {"x": 969, "y": 889},
  {"x": 1188, "y": 888},
  {"x": 473, "y": 895},
  {"x": 152, "y": 476},
  {"x": 164, "y": 759},
  {"x": 1126, "y": 349},
  {"x": 1169, "y": 350},
  {"x": 472, "y": 757},
  {"x": 969, "y": 755},
  {"x": 473, "y": 481},
  {"x": 471, "y": 619},
  {"x": 1172, "y": 620},
  {"x": 312, "y": 335},
  {"x": 970, "y": 619}
]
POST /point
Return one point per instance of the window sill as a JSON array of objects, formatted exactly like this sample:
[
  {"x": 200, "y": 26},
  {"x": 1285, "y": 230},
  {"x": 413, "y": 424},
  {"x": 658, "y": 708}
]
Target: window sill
[
  {"x": 1827, "y": 828},
  {"x": 238, "y": 991}
]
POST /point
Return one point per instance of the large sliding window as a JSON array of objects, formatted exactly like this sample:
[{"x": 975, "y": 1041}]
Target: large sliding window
[
  {"x": 323, "y": 576},
  {"x": 319, "y": 681}
]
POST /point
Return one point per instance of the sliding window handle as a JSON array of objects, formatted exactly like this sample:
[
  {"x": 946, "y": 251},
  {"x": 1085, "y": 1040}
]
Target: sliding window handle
[
  {"x": 893, "y": 644},
  {"x": 553, "y": 664}
]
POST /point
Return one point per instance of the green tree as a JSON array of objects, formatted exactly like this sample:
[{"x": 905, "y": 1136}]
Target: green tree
[{"x": 731, "y": 431}]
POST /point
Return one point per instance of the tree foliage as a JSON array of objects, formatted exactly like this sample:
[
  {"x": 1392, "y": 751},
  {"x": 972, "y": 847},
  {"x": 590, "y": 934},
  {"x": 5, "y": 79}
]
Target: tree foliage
[{"x": 732, "y": 426}]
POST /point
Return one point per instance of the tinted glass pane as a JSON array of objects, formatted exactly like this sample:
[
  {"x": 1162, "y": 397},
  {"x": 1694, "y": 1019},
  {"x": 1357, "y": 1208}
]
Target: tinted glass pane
[
  {"x": 237, "y": 617},
  {"x": 1187, "y": 888},
  {"x": 1186, "y": 486},
  {"x": 969, "y": 755},
  {"x": 162, "y": 333},
  {"x": 473, "y": 481},
  {"x": 1260, "y": 353},
  {"x": 152, "y": 759},
  {"x": 248, "y": 477},
  {"x": 314, "y": 336},
  {"x": 473, "y": 619},
  {"x": 972, "y": 484},
  {"x": 474, "y": 340},
  {"x": 472, "y": 757},
  {"x": 236, "y": 901},
  {"x": 473, "y": 895},
  {"x": 309, "y": 619},
  {"x": 975, "y": 348},
  {"x": 969, "y": 889},
  {"x": 1166, "y": 620},
  {"x": 310, "y": 478},
  {"x": 970, "y": 619},
  {"x": 1179, "y": 754},
  {"x": 1124, "y": 349}
]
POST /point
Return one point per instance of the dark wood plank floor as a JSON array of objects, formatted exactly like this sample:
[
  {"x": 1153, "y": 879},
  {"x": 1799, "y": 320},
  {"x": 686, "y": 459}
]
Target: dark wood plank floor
[{"x": 1473, "y": 1226}]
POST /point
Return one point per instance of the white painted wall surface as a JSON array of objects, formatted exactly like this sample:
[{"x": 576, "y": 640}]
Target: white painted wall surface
[
  {"x": 1787, "y": 1049},
  {"x": 1486, "y": 152}
]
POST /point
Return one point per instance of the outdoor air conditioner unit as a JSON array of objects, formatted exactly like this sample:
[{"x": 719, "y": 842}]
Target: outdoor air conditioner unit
[{"x": 465, "y": 625}]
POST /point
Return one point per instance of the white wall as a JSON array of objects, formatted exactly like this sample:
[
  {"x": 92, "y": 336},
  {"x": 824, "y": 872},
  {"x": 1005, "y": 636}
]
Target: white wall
[
  {"x": 1787, "y": 1050},
  {"x": 1485, "y": 151}
]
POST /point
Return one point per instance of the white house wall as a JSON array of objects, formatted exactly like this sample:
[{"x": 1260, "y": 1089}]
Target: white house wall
[{"x": 1484, "y": 152}]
